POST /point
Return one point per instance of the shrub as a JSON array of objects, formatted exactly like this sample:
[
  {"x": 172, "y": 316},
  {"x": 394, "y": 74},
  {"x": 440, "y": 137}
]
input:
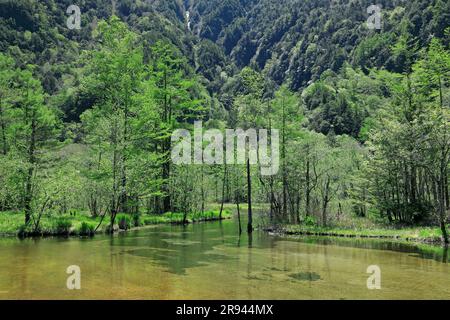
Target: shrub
[
  {"x": 310, "y": 221},
  {"x": 124, "y": 221},
  {"x": 87, "y": 229},
  {"x": 151, "y": 220},
  {"x": 137, "y": 220},
  {"x": 62, "y": 226},
  {"x": 25, "y": 230}
]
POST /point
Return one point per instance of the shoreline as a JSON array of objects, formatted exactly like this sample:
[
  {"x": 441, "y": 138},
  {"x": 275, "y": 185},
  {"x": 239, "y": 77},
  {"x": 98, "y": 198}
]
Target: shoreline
[
  {"x": 146, "y": 222},
  {"x": 399, "y": 235}
]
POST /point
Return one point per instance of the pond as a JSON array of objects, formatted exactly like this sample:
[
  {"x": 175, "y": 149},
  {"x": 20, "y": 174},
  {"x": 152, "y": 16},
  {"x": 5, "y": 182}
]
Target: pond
[{"x": 210, "y": 261}]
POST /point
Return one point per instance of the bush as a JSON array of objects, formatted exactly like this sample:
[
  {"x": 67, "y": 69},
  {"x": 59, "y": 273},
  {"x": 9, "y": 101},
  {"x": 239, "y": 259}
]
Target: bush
[
  {"x": 87, "y": 229},
  {"x": 137, "y": 220},
  {"x": 151, "y": 220},
  {"x": 63, "y": 225},
  {"x": 124, "y": 221},
  {"x": 310, "y": 221},
  {"x": 25, "y": 230}
]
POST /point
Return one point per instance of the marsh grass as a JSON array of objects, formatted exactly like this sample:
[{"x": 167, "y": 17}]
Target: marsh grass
[
  {"x": 178, "y": 218},
  {"x": 420, "y": 234},
  {"x": 82, "y": 224}
]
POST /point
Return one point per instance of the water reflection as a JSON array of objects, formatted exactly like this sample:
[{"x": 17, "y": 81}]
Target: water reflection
[
  {"x": 178, "y": 248},
  {"x": 211, "y": 261},
  {"x": 423, "y": 251},
  {"x": 305, "y": 276}
]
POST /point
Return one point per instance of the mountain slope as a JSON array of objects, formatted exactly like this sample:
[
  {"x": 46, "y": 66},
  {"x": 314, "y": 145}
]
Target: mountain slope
[
  {"x": 291, "y": 41},
  {"x": 297, "y": 40}
]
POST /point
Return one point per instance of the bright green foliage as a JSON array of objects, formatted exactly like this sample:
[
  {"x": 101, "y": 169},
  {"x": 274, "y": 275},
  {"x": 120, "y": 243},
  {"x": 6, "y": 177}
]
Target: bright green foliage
[
  {"x": 409, "y": 148},
  {"x": 362, "y": 115}
]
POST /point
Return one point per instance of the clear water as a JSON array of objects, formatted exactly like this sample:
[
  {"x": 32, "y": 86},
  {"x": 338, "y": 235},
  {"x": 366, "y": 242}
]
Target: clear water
[{"x": 210, "y": 261}]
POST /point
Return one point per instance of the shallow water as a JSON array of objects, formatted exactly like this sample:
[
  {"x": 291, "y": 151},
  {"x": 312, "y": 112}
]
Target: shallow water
[{"x": 210, "y": 261}]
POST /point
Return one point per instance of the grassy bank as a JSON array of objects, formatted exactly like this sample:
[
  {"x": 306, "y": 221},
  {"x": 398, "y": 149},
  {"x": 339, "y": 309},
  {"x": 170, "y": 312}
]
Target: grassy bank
[
  {"x": 416, "y": 234},
  {"x": 82, "y": 224}
]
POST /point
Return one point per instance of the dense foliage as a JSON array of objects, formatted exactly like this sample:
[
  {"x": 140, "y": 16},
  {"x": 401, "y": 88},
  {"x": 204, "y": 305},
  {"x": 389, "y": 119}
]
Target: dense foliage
[{"x": 86, "y": 116}]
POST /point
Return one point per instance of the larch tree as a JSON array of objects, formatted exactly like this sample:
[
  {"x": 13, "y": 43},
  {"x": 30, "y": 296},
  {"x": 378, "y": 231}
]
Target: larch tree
[{"x": 115, "y": 71}]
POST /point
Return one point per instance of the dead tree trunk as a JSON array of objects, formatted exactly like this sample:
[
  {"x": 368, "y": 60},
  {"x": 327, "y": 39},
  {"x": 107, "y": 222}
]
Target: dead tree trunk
[{"x": 249, "y": 199}]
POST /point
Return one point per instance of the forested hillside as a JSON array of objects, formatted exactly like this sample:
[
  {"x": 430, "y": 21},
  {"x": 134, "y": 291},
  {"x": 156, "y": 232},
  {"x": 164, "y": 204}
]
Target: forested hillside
[
  {"x": 86, "y": 116},
  {"x": 292, "y": 41},
  {"x": 297, "y": 40}
]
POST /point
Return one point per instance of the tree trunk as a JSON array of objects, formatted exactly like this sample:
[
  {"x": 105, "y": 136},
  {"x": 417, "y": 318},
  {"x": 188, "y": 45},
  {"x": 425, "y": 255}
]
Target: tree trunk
[
  {"x": 326, "y": 200},
  {"x": 31, "y": 163},
  {"x": 166, "y": 149},
  {"x": 239, "y": 213},
  {"x": 124, "y": 194},
  {"x": 166, "y": 176},
  {"x": 223, "y": 191},
  {"x": 272, "y": 200},
  {"x": 442, "y": 207},
  {"x": 308, "y": 190},
  {"x": 283, "y": 155},
  {"x": 249, "y": 196},
  {"x": 444, "y": 232},
  {"x": 446, "y": 191},
  {"x": 114, "y": 197},
  {"x": 203, "y": 189},
  {"x": 3, "y": 128}
]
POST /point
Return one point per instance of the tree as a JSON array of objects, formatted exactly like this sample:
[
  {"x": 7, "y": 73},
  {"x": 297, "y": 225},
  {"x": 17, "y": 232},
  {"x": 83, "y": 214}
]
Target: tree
[
  {"x": 34, "y": 125},
  {"x": 433, "y": 73},
  {"x": 174, "y": 92},
  {"x": 115, "y": 71},
  {"x": 250, "y": 115},
  {"x": 409, "y": 147},
  {"x": 7, "y": 92}
]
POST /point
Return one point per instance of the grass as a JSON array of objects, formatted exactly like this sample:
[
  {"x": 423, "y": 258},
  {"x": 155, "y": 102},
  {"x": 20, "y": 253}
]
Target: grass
[
  {"x": 177, "y": 218},
  {"x": 82, "y": 224},
  {"x": 419, "y": 234}
]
